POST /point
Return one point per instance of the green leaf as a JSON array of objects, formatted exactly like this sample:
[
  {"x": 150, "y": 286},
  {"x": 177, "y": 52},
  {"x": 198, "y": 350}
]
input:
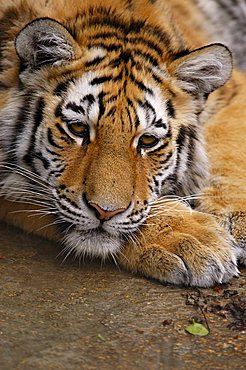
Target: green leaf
[
  {"x": 197, "y": 329},
  {"x": 99, "y": 336}
]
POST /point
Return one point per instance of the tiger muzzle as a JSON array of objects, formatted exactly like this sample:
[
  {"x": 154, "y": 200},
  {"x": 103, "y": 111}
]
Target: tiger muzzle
[{"x": 110, "y": 183}]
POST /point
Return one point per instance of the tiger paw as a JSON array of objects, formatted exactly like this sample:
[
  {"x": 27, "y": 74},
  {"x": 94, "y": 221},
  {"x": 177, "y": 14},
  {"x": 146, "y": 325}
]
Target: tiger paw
[
  {"x": 230, "y": 212},
  {"x": 191, "y": 251},
  {"x": 235, "y": 223}
]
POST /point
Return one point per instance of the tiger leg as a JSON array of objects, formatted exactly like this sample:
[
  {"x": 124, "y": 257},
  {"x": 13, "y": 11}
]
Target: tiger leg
[
  {"x": 226, "y": 140},
  {"x": 182, "y": 247}
]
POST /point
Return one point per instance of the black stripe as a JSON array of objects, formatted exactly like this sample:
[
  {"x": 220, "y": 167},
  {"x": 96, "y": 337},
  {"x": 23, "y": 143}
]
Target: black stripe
[
  {"x": 115, "y": 23},
  {"x": 155, "y": 77},
  {"x": 74, "y": 107},
  {"x": 157, "y": 183},
  {"x": 140, "y": 40},
  {"x": 170, "y": 109},
  {"x": 112, "y": 20},
  {"x": 111, "y": 112},
  {"x": 147, "y": 56},
  {"x": 70, "y": 201},
  {"x": 191, "y": 149},
  {"x": 133, "y": 122},
  {"x": 58, "y": 110},
  {"x": 118, "y": 77},
  {"x": 130, "y": 102},
  {"x": 192, "y": 143},
  {"x": 37, "y": 120},
  {"x": 104, "y": 35},
  {"x": 21, "y": 121},
  {"x": 187, "y": 138},
  {"x": 136, "y": 122},
  {"x": 56, "y": 173},
  {"x": 161, "y": 162},
  {"x": 130, "y": 29},
  {"x": 172, "y": 182},
  {"x": 100, "y": 80},
  {"x": 112, "y": 99},
  {"x": 148, "y": 107},
  {"x": 126, "y": 55},
  {"x": 60, "y": 128},
  {"x": 169, "y": 133},
  {"x": 129, "y": 116},
  {"x": 181, "y": 139},
  {"x": 90, "y": 98},
  {"x": 140, "y": 85},
  {"x": 24, "y": 112},
  {"x": 62, "y": 87},
  {"x": 163, "y": 146},
  {"x": 108, "y": 47},
  {"x": 45, "y": 162},
  {"x": 94, "y": 62},
  {"x": 39, "y": 113},
  {"x": 51, "y": 139},
  {"x": 115, "y": 62},
  {"x": 169, "y": 155},
  {"x": 160, "y": 123},
  {"x": 53, "y": 153},
  {"x": 101, "y": 105},
  {"x": 70, "y": 212}
]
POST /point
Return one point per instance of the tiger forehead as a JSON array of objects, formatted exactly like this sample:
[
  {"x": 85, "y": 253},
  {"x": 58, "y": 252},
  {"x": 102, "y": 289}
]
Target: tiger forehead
[
  {"x": 98, "y": 97},
  {"x": 109, "y": 29},
  {"x": 127, "y": 59}
]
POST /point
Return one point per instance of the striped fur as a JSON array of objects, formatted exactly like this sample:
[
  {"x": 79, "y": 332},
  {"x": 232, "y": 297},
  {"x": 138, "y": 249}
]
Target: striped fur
[{"x": 136, "y": 85}]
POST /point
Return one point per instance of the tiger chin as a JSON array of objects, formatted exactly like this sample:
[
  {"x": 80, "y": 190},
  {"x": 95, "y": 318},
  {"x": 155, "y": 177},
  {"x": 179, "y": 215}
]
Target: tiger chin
[{"x": 123, "y": 133}]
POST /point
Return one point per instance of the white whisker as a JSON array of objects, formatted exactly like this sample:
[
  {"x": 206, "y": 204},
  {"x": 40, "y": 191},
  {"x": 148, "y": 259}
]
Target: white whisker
[{"x": 56, "y": 222}]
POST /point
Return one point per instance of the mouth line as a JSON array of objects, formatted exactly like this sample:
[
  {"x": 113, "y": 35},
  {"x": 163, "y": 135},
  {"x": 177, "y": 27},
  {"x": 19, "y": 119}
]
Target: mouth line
[{"x": 98, "y": 231}]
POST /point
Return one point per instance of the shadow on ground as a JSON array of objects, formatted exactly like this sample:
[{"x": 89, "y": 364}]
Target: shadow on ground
[{"x": 65, "y": 317}]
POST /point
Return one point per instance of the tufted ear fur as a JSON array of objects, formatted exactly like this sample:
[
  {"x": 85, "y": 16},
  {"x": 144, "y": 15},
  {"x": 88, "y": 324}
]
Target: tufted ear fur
[
  {"x": 203, "y": 70},
  {"x": 45, "y": 41}
]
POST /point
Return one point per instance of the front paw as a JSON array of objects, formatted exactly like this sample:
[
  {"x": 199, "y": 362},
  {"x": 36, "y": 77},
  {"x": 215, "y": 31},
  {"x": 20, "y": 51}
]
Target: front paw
[{"x": 193, "y": 250}]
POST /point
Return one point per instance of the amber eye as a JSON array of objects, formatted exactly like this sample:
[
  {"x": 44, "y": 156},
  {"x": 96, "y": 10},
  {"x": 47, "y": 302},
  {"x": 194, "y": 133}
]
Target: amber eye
[
  {"x": 147, "y": 141},
  {"x": 79, "y": 129}
]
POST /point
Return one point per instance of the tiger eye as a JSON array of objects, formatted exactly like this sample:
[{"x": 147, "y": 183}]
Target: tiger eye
[
  {"x": 79, "y": 129},
  {"x": 148, "y": 141}
]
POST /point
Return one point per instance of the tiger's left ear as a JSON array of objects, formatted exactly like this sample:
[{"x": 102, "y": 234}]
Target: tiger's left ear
[
  {"x": 203, "y": 70},
  {"x": 45, "y": 41}
]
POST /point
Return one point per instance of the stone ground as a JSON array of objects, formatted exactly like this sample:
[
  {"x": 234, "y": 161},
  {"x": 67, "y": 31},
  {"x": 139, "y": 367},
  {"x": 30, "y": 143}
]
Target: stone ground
[{"x": 59, "y": 316}]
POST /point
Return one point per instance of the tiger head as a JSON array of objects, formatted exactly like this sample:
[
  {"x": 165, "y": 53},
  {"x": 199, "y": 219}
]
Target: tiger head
[{"x": 106, "y": 121}]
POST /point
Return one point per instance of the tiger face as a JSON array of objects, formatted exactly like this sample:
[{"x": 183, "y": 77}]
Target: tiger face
[{"x": 108, "y": 123}]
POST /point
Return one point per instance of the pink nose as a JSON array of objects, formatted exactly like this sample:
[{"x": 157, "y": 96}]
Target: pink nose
[{"x": 106, "y": 215}]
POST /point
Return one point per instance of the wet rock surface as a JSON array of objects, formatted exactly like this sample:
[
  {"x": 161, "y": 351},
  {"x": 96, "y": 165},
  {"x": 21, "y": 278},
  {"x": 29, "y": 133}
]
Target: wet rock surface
[{"x": 56, "y": 315}]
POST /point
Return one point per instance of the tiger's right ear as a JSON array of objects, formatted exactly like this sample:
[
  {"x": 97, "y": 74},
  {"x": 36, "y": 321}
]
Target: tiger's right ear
[
  {"x": 45, "y": 41},
  {"x": 203, "y": 70}
]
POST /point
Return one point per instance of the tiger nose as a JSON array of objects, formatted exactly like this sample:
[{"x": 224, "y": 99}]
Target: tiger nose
[{"x": 103, "y": 214}]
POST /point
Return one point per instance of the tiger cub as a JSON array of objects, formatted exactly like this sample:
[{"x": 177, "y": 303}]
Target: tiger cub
[{"x": 123, "y": 132}]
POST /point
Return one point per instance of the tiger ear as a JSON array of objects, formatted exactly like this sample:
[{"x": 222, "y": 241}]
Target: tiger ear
[
  {"x": 45, "y": 41},
  {"x": 203, "y": 70}
]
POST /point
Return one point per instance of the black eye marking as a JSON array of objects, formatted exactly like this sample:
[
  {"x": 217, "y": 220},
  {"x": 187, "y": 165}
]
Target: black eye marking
[
  {"x": 160, "y": 124},
  {"x": 76, "y": 108}
]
